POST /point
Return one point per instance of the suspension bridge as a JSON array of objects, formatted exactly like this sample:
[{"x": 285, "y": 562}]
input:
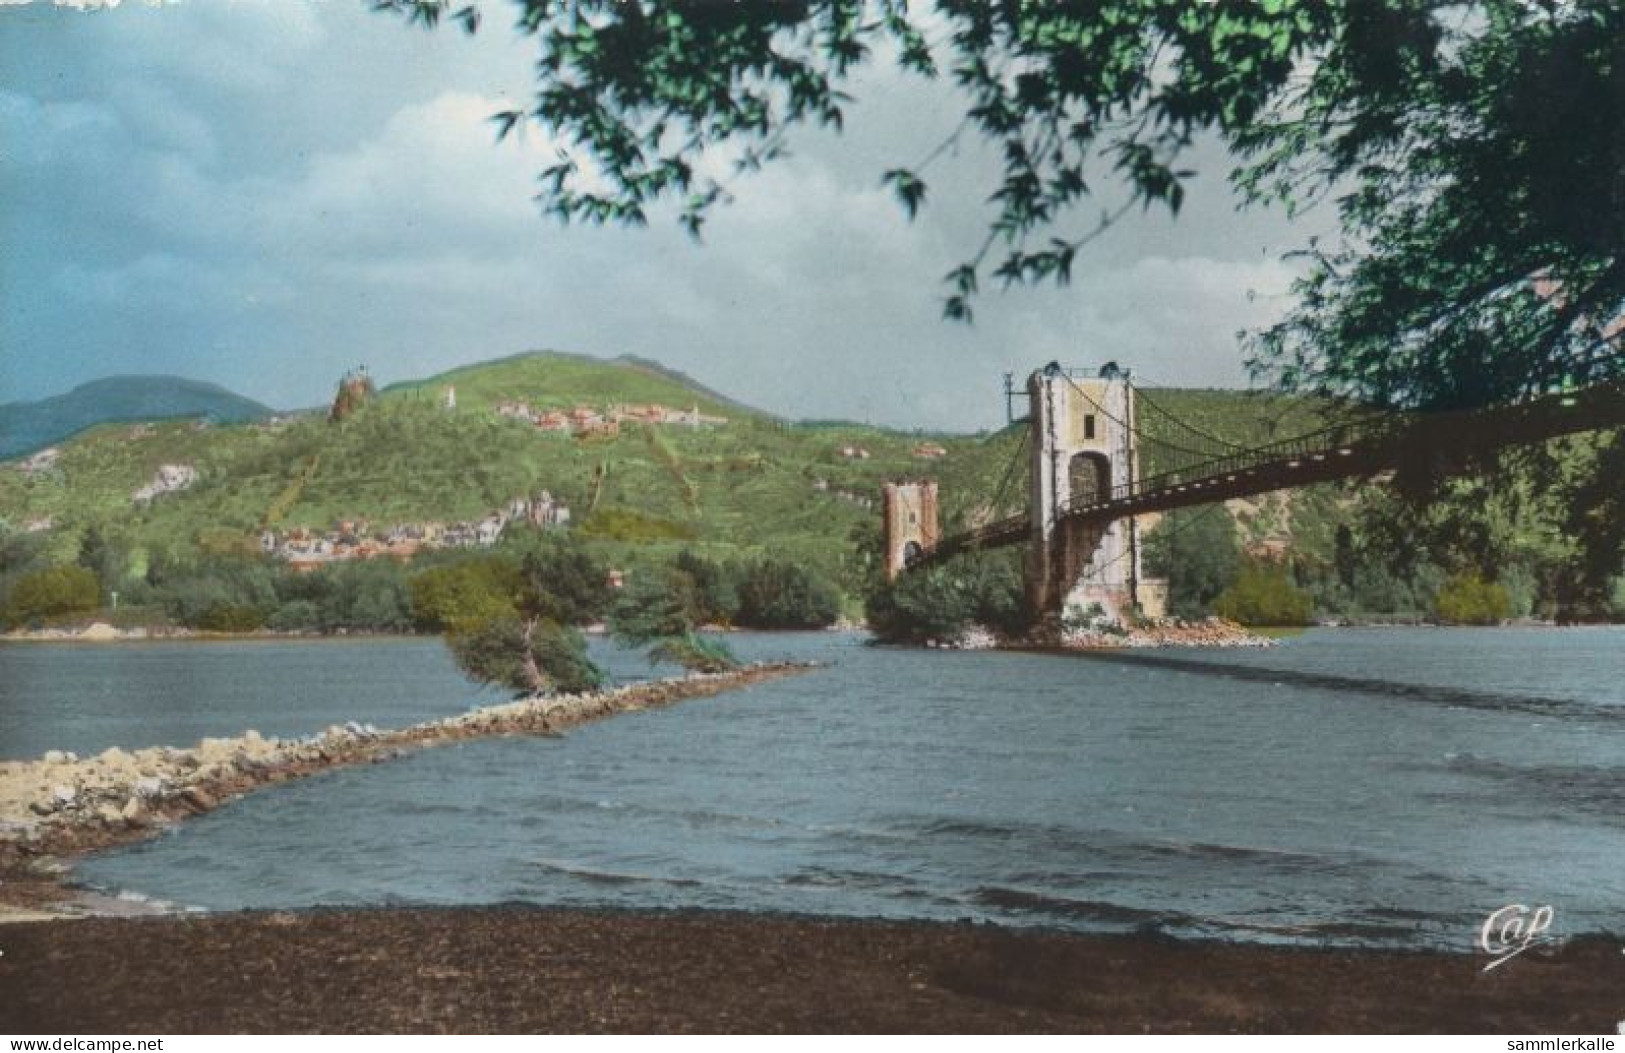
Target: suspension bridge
[{"x": 1090, "y": 434}]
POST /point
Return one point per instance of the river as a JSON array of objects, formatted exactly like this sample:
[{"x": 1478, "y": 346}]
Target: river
[{"x": 1387, "y": 787}]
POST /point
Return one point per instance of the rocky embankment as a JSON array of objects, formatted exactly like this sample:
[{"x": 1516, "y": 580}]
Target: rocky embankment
[
  {"x": 1101, "y": 635},
  {"x": 95, "y": 632},
  {"x": 1166, "y": 632},
  {"x": 65, "y": 805}
]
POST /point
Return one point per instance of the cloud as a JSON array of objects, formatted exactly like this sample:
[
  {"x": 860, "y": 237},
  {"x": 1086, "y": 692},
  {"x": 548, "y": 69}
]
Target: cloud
[{"x": 261, "y": 194}]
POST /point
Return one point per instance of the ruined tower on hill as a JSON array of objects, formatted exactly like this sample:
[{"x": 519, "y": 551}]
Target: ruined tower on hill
[{"x": 355, "y": 389}]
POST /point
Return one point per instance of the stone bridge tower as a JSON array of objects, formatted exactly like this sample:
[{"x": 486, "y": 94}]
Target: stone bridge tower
[
  {"x": 911, "y": 526},
  {"x": 1083, "y": 447}
]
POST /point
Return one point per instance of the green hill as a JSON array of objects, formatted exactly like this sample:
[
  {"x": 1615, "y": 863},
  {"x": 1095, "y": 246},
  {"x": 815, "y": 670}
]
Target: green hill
[
  {"x": 752, "y": 485},
  {"x": 559, "y": 380}
]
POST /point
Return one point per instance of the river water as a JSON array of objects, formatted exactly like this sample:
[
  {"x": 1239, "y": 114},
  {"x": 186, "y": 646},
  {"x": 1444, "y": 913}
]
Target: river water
[{"x": 1386, "y": 787}]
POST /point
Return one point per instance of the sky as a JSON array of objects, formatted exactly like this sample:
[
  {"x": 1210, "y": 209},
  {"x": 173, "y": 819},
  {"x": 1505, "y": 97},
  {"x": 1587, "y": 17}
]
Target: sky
[{"x": 264, "y": 193}]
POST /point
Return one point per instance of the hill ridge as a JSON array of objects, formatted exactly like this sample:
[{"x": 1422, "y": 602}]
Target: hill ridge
[{"x": 30, "y": 425}]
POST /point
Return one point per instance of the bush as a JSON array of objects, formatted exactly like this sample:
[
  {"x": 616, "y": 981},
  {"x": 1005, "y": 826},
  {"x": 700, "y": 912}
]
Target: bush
[
  {"x": 1467, "y": 599},
  {"x": 654, "y": 606},
  {"x": 775, "y": 594},
  {"x": 230, "y": 618},
  {"x": 998, "y": 590},
  {"x": 716, "y": 593},
  {"x": 527, "y": 657},
  {"x": 1262, "y": 594},
  {"x": 941, "y": 602},
  {"x": 921, "y": 605},
  {"x": 694, "y": 653},
  {"x": 374, "y": 598},
  {"x": 659, "y": 609},
  {"x": 464, "y": 593},
  {"x": 624, "y": 524},
  {"x": 51, "y": 593},
  {"x": 294, "y": 615},
  {"x": 195, "y": 594},
  {"x": 1196, "y": 550},
  {"x": 564, "y": 584}
]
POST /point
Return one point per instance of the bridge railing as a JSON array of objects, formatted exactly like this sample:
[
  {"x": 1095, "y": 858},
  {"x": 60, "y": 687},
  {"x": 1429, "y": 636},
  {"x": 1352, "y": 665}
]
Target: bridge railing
[
  {"x": 1358, "y": 446},
  {"x": 997, "y": 534},
  {"x": 1014, "y": 529},
  {"x": 1332, "y": 439}
]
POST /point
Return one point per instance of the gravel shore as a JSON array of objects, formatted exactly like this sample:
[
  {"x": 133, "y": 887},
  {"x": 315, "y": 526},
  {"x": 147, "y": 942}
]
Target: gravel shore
[{"x": 519, "y": 969}]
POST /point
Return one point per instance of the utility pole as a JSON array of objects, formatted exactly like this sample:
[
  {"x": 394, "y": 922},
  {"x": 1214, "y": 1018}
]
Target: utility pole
[{"x": 1133, "y": 521}]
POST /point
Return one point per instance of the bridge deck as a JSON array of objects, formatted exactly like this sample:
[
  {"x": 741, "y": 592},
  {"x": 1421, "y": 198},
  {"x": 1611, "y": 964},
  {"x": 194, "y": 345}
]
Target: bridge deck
[{"x": 1441, "y": 442}]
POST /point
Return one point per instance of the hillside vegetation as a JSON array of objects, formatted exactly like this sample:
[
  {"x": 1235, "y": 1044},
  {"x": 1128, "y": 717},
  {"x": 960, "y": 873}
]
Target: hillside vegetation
[
  {"x": 752, "y": 488},
  {"x": 753, "y": 485}
]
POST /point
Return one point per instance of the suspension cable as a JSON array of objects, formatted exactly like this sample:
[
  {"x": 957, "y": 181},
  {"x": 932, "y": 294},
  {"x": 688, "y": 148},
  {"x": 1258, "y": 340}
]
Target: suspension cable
[
  {"x": 1140, "y": 394},
  {"x": 1137, "y": 433},
  {"x": 1002, "y": 492}
]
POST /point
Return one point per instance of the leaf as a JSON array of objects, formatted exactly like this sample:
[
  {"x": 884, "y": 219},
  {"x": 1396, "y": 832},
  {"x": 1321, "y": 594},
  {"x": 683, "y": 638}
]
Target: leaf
[
  {"x": 908, "y": 187},
  {"x": 505, "y": 122}
]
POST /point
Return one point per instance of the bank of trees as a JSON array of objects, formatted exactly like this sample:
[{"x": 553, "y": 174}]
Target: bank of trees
[
  {"x": 1477, "y": 559},
  {"x": 512, "y": 617},
  {"x": 233, "y": 587}
]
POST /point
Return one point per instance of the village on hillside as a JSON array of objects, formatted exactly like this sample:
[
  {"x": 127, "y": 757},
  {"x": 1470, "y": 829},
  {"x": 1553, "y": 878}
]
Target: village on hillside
[
  {"x": 306, "y": 549},
  {"x": 585, "y": 420}
]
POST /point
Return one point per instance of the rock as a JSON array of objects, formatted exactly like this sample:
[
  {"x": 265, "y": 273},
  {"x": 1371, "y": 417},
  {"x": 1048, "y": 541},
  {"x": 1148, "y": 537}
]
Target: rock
[
  {"x": 99, "y": 631},
  {"x": 65, "y": 796},
  {"x": 55, "y": 757},
  {"x": 42, "y": 807},
  {"x": 17, "y": 830},
  {"x": 109, "y": 815},
  {"x": 150, "y": 786},
  {"x": 114, "y": 756},
  {"x": 134, "y": 812},
  {"x": 216, "y": 749},
  {"x": 199, "y": 799}
]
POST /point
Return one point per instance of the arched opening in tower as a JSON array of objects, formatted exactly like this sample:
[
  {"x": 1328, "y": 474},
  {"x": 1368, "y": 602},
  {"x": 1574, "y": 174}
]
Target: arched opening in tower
[{"x": 1091, "y": 478}]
